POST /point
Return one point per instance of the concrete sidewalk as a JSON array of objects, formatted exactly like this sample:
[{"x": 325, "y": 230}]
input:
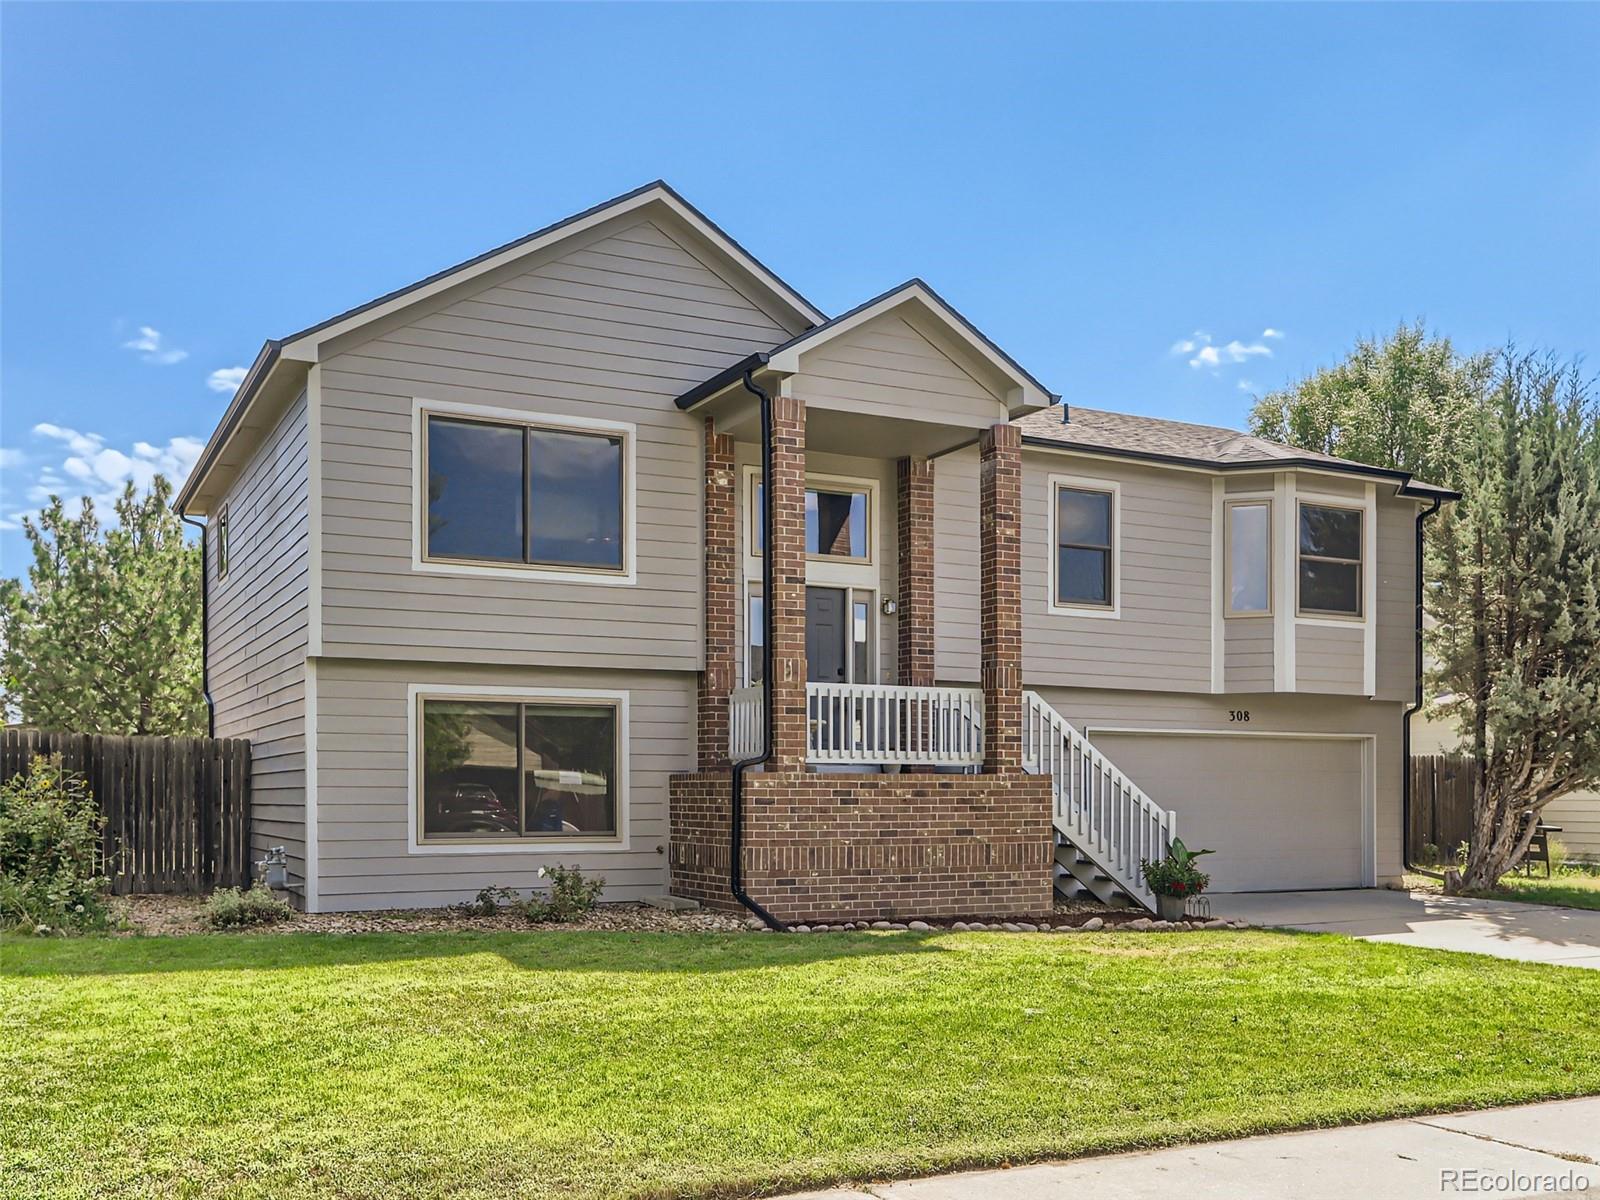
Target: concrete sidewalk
[
  {"x": 1568, "y": 937},
  {"x": 1537, "y": 1149}
]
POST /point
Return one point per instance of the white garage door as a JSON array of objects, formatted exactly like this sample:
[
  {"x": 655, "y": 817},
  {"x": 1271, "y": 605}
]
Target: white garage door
[{"x": 1282, "y": 814}]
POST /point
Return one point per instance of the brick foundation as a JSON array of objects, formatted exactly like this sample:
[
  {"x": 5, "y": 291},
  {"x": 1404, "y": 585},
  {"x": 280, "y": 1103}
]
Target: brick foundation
[{"x": 869, "y": 847}]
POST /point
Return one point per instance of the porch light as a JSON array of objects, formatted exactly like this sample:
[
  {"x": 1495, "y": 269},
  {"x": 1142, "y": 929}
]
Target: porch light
[{"x": 888, "y": 606}]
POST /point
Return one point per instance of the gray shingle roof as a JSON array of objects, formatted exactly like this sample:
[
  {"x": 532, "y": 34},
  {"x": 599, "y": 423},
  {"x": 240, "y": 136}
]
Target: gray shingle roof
[{"x": 1127, "y": 435}]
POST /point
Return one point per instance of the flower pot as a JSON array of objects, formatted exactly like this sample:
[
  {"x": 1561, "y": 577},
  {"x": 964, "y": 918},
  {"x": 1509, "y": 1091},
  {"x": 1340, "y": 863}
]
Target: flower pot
[{"x": 1170, "y": 908}]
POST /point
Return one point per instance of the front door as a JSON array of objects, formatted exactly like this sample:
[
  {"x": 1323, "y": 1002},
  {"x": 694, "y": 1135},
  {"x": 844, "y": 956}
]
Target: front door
[{"x": 826, "y": 630}]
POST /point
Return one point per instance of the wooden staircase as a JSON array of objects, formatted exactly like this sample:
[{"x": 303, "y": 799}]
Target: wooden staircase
[{"x": 1104, "y": 823}]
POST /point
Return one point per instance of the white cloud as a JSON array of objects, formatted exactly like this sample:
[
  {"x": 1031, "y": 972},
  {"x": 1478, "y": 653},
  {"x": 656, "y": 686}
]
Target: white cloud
[
  {"x": 1206, "y": 354},
  {"x": 1247, "y": 385},
  {"x": 92, "y": 468},
  {"x": 1269, "y": 332},
  {"x": 151, "y": 348},
  {"x": 227, "y": 379}
]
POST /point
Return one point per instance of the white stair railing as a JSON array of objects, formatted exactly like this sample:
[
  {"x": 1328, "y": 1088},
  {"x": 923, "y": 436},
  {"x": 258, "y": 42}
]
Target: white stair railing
[
  {"x": 872, "y": 724},
  {"x": 1102, "y": 812}
]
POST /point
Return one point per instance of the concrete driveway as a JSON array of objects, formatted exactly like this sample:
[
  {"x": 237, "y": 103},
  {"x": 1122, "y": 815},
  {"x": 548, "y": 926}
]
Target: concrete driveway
[{"x": 1569, "y": 937}]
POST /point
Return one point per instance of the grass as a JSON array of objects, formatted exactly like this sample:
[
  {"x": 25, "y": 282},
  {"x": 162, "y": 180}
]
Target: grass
[
  {"x": 594, "y": 1064},
  {"x": 1569, "y": 887}
]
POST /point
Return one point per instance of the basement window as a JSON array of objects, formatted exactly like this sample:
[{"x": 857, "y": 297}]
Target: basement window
[{"x": 504, "y": 770}]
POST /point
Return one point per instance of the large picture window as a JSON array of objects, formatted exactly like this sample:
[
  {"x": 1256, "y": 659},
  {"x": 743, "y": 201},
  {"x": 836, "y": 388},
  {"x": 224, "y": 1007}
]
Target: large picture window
[
  {"x": 501, "y": 492},
  {"x": 1249, "y": 532},
  {"x": 505, "y": 770},
  {"x": 1084, "y": 527},
  {"x": 1330, "y": 560}
]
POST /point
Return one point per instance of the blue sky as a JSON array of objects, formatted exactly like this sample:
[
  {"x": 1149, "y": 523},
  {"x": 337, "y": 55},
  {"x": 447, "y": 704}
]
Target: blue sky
[{"x": 1095, "y": 186}]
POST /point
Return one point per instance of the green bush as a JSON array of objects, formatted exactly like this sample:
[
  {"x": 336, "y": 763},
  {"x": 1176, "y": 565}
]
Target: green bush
[
  {"x": 234, "y": 908},
  {"x": 572, "y": 893},
  {"x": 51, "y": 875}
]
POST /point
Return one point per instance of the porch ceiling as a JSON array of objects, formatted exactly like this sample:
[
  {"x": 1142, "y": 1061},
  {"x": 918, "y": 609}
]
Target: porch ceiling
[{"x": 834, "y": 431}]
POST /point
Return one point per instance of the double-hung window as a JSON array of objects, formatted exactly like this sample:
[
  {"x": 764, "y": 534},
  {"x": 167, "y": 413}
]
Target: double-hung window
[
  {"x": 507, "y": 492},
  {"x": 504, "y": 770},
  {"x": 1084, "y": 527},
  {"x": 1330, "y": 560}
]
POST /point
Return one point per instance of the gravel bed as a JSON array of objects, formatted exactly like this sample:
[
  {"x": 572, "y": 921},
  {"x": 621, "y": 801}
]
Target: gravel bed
[{"x": 178, "y": 915}]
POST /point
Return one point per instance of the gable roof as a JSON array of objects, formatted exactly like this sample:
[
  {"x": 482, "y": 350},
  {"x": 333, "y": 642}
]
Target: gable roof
[
  {"x": 290, "y": 356},
  {"x": 1026, "y": 392},
  {"x": 1154, "y": 439}
]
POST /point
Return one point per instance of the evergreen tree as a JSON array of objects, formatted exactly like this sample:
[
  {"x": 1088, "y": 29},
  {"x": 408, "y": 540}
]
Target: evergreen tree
[
  {"x": 1515, "y": 595},
  {"x": 105, "y": 637}
]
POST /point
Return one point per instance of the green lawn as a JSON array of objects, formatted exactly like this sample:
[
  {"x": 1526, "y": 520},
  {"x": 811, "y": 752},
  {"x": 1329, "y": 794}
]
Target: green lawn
[
  {"x": 593, "y": 1064},
  {"x": 1571, "y": 887}
]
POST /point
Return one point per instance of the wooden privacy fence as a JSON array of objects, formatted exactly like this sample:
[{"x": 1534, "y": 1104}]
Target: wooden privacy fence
[
  {"x": 1441, "y": 803},
  {"x": 177, "y": 810}
]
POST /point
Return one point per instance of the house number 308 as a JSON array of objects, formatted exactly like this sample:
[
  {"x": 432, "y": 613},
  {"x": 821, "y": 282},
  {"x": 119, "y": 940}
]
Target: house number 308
[{"x": 1238, "y": 714}]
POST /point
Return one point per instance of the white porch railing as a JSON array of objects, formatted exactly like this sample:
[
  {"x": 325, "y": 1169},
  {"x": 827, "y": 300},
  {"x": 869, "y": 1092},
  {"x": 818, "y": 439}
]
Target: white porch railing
[
  {"x": 1099, "y": 809},
  {"x": 872, "y": 724}
]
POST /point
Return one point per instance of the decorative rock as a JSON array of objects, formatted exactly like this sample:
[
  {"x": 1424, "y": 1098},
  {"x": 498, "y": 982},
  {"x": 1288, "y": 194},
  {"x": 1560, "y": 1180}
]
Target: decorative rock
[
  {"x": 765, "y": 929},
  {"x": 1011, "y": 927},
  {"x": 1092, "y": 924},
  {"x": 897, "y": 925},
  {"x": 960, "y": 927},
  {"x": 1139, "y": 925},
  {"x": 1214, "y": 923},
  {"x": 1027, "y": 927},
  {"x": 976, "y": 927},
  {"x": 1160, "y": 926},
  {"x": 882, "y": 925},
  {"x": 919, "y": 926},
  {"x": 1241, "y": 924},
  {"x": 801, "y": 928},
  {"x": 754, "y": 923}
]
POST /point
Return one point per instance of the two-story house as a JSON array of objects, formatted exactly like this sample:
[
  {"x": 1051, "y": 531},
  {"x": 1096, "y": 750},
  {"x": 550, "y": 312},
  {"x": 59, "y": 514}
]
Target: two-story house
[{"x": 508, "y": 567}]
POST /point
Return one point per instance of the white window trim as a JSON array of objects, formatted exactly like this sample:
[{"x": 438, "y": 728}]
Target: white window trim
[
  {"x": 1231, "y": 501},
  {"x": 546, "y": 848},
  {"x": 825, "y": 569},
  {"x": 1093, "y": 611},
  {"x": 1350, "y": 504},
  {"x": 422, "y": 408},
  {"x": 853, "y": 594}
]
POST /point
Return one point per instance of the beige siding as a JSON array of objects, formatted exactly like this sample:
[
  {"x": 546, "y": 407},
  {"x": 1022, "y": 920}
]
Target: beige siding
[
  {"x": 1248, "y": 654},
  {"x": 1279, "y": 714},
  {"x": 1330, "y": 658},
  {"x": 1578, "y": 815},
  {"x": 886, "y": 368},
  {"x": 363, "y": 803},
  {"x": 613, "y": 325},
  {"x": 1397, "y": 598},
  {"x": 257, "y": 618},
  {"x": 1162, "y": 640}
]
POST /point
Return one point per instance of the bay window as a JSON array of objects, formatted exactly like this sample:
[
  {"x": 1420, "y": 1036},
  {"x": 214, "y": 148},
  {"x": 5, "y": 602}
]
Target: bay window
[
  {"x": 1249, "y": 535},
  {"x": 1330, "y": 567}
]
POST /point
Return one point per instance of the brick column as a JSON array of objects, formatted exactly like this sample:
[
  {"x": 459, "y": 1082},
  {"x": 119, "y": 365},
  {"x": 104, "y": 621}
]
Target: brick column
[
  {"x": 1000, "y": 583},
  {"x": 914, "y": 511},
  {"x": 721, "y": 596},
  {"x": 786, "y": 492}
]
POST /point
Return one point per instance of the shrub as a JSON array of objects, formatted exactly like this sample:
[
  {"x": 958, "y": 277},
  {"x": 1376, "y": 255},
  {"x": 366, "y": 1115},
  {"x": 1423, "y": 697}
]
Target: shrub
[
  {"x": 572, "y": 893},
  {"x": 51, "y": 878},
  {"x": 235, "y": 908}
]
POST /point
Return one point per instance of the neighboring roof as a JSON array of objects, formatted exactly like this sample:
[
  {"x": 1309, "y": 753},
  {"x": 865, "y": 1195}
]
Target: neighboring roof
[
  {"x": 786, "y": 356},
  {"x": 1125, "y": 435},
  {"x": 300, "y": 348}
]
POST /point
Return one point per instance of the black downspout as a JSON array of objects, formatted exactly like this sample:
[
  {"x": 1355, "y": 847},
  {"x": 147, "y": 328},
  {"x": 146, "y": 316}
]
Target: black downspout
[
  {"x": 736, "y": 822},
  {"x": 1411, "y": 710},
  {"x": 205, "y": 622}
]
